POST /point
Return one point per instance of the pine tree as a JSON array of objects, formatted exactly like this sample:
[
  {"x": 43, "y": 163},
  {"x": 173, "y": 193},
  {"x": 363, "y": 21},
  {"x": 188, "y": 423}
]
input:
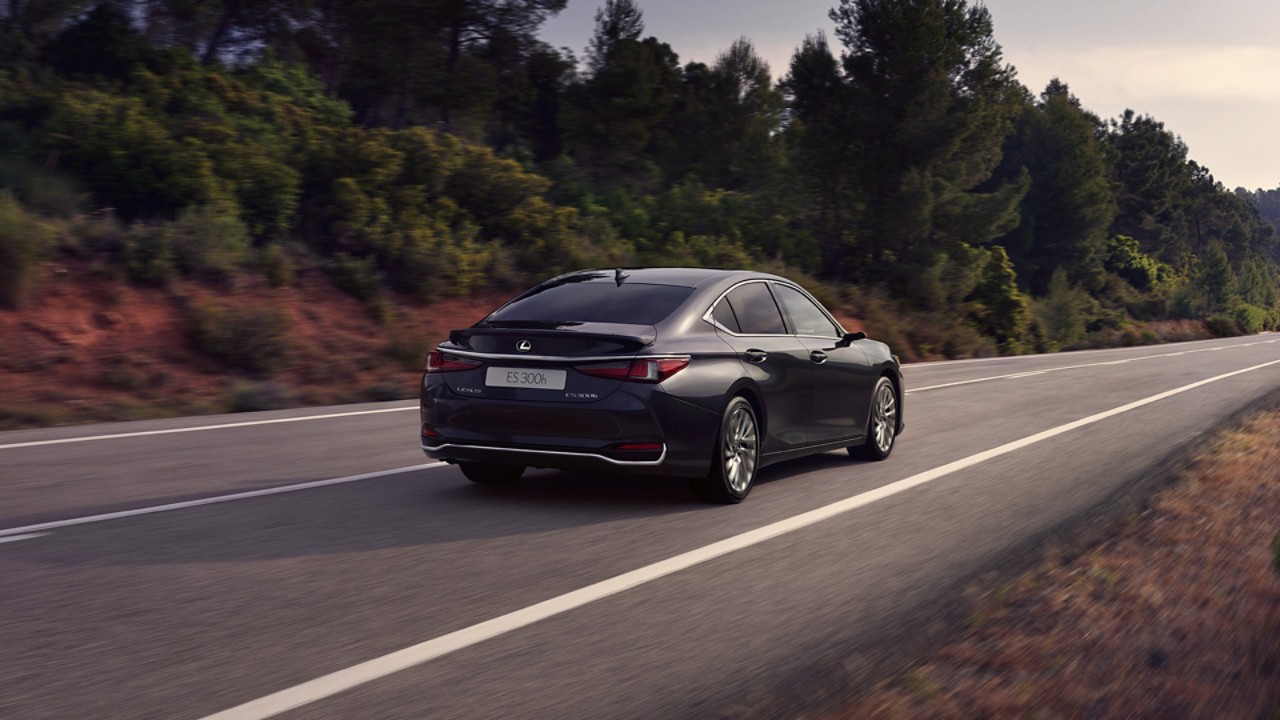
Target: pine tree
[
  {"x": 1070, "y": 206},
  {"x": 932, "y": 102}
]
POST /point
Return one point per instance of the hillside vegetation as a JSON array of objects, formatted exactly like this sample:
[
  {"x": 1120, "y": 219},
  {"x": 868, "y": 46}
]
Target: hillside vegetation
[{"x": 414, "y": 152}]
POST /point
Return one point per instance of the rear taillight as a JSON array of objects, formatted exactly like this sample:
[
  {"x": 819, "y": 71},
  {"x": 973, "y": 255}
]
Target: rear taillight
[
  {"x": 647, "y": 370},
  {"x": 439, "y": 362}
]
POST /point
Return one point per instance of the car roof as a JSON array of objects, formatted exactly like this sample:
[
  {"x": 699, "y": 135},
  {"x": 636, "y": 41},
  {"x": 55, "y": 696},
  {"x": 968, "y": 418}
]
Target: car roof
[{"x": 681, "y": 276}]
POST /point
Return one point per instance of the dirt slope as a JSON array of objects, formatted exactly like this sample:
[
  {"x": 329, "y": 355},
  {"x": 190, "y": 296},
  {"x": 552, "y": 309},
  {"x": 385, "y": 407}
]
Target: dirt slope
[
  {"x": 1178, "y": 616},
  {"x": 91, "y": 348}
]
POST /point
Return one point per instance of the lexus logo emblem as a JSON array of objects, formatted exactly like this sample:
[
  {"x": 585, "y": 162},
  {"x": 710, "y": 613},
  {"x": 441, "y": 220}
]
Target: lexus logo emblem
[{"x": 524, "y": 346}]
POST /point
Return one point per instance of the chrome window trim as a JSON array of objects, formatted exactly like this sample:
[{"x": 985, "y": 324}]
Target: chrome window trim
[
  {"x": 821, "y": 308},
  {"x": 706, "y": 317},
  {"x": 558, "y": 453}
]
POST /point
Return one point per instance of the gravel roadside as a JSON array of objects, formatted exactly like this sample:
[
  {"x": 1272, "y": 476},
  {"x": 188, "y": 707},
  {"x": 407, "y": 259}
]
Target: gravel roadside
[{"x": 1175, "y": 616}]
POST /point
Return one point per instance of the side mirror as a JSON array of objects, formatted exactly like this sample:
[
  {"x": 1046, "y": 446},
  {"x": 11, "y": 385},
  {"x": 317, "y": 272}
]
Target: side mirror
[{"x": 851, "y": 338}]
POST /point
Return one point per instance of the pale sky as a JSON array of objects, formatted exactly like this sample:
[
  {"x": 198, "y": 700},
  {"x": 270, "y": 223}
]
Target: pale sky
[{"x": 1208, "y": 69}]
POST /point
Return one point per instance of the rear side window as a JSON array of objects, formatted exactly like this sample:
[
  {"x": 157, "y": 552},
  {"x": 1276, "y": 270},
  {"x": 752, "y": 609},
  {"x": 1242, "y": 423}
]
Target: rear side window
[
  {"x": 806, "y": 316},
  {"x": 596, "y": 302},
  {"x": 755, "y": 310},
  {"x": 723, "y": 314}
]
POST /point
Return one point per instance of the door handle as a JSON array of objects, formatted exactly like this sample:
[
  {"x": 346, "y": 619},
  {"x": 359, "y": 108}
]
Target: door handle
[
  {"x": 756, "y": 356},
  {"x": 818, "y": 356}
]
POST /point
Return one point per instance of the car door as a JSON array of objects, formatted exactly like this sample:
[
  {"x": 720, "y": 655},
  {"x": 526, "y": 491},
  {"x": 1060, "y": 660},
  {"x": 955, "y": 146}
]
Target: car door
[
  {"x": 842, "y": 376},
  {"x": 748, "y": 318}
]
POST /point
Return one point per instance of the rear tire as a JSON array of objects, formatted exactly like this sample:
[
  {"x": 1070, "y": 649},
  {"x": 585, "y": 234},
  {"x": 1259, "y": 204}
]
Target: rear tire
[
  {"x": 737, "y": 454},
  {"x": 882, "y": 426},
  {"x": 491, "y": 473}
]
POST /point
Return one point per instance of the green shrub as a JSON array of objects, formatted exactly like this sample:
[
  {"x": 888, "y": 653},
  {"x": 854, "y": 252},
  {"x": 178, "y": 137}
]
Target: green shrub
[
  {"x": 1063, "y": 313},
  {"x": 1251, "y": 319},
  {"x": 1001, "y": 310},
  {"x": 99, "y": 234},
  {"x": 266, "y": 189},
  {"x": 358, "y": 277},
  {"x": 126, "y": 155},
  {"x": 1221, "y": 326},
  {"x": 1137, "y": 268},
  {"x": 208, "y": 240},
  {"x": 252, "y": 339},
  {"x": 45, "y": 191},
  {"x": 257, "y": 396},
  {"x": 148, "y": 255},
  {"x": 274, "y": 262},
  {"x": 24, "y": 242}
]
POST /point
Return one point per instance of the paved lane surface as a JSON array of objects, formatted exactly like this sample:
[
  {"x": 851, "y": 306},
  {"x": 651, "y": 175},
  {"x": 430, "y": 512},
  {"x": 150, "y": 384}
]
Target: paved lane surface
[{"x": 219, "y": 608}]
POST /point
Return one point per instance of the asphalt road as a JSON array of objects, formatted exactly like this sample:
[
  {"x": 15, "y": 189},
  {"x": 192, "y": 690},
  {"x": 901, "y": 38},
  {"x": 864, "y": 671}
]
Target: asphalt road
[{"x": 390, "y": 587}]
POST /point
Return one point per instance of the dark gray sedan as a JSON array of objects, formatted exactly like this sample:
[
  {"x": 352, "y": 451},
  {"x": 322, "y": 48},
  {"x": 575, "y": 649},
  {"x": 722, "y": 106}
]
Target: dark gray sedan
[{"x": 707, "y": 374}]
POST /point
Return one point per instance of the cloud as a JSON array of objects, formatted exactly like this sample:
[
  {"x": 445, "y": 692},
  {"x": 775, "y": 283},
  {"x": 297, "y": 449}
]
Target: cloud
[{"x": 1138, "y": 74}]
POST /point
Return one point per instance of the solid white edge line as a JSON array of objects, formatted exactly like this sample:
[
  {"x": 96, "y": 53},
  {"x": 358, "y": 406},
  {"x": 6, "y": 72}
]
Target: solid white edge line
[
  {"x": 1011, "y": 376},
  {"x": 214, "y": 500},
  {"x": 346, "y": 679},
  {"x": 16, "y": 538},
  {"x": 198, "y": 428},
  {"x": 925, "y": 365}
]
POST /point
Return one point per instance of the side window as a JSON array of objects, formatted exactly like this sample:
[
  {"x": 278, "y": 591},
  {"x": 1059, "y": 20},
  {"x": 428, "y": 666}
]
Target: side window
[
  {"x": 807, "y": 317},
  {"x": 755, "y": 309},
  {"x": 723, "y": 314}
]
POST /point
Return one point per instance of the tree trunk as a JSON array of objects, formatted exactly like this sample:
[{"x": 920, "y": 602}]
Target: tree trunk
[
  {"x": 230, "y": 10},
  {"x": 15, "y": 12},
  {"x": 450, "y": 71}
]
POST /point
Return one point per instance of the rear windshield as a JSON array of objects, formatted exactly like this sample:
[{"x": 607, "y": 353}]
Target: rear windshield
[{"x": 602, "y": 302}]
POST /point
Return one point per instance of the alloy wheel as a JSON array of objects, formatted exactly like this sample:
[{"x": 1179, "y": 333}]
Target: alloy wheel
[
  {"x": 739, "y": 452},
  {"x": 884, "y": 418}
]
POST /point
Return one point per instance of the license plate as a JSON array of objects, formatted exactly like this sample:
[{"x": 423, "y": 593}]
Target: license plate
[{"x": 525, "y": 378}]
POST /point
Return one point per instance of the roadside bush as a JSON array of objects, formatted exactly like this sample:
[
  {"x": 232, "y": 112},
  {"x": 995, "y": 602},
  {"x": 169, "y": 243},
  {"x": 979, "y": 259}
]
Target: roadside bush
[
  {"x": 121, "y": 150},
  {"x": 1221, "y": 326},
  {"x": 1063, "y": 313},
  {"x": 24, "y": 241},
  {"x": 258, "y": 396},
  {"x": 1001, "y": 311},
  {"x": 1251, "y": 319},
  {"x": 274, "y": 262},
  {"x": 358, "y": 277},
  {"x": 148, "y": 255},
  {"x": 44, "y": 191},
  {"x": 208, "y": 241},
  {"x": 251, "y": 339},
  {"x": 98, "y": 234}
]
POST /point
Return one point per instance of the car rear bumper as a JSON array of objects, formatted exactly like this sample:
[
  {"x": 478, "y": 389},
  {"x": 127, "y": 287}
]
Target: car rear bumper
[
  {"x": 640, "y": 462},
  {"x": 579, "y": 436}
]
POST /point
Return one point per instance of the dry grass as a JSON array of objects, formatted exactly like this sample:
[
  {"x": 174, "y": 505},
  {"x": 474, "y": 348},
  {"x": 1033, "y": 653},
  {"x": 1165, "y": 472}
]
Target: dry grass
[{"x": 1178, "y": 616}]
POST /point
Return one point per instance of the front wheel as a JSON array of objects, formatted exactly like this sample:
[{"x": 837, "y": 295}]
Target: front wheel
[
  {"x": 737, "y": 453},
  {"x": 490, "y": 473},
  {"x": 882, "y": 426}
]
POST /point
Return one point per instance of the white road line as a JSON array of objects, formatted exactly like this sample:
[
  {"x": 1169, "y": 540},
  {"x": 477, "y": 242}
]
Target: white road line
[
  {"x": 199, "y": 428},
  {"x": 16, "y": 538},
  {"x": 336, "y": 682},
  {"x": 934, "y": 364},
  {"x": 1011, "y": 376},
  {"x": 214, "y": 500}
]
